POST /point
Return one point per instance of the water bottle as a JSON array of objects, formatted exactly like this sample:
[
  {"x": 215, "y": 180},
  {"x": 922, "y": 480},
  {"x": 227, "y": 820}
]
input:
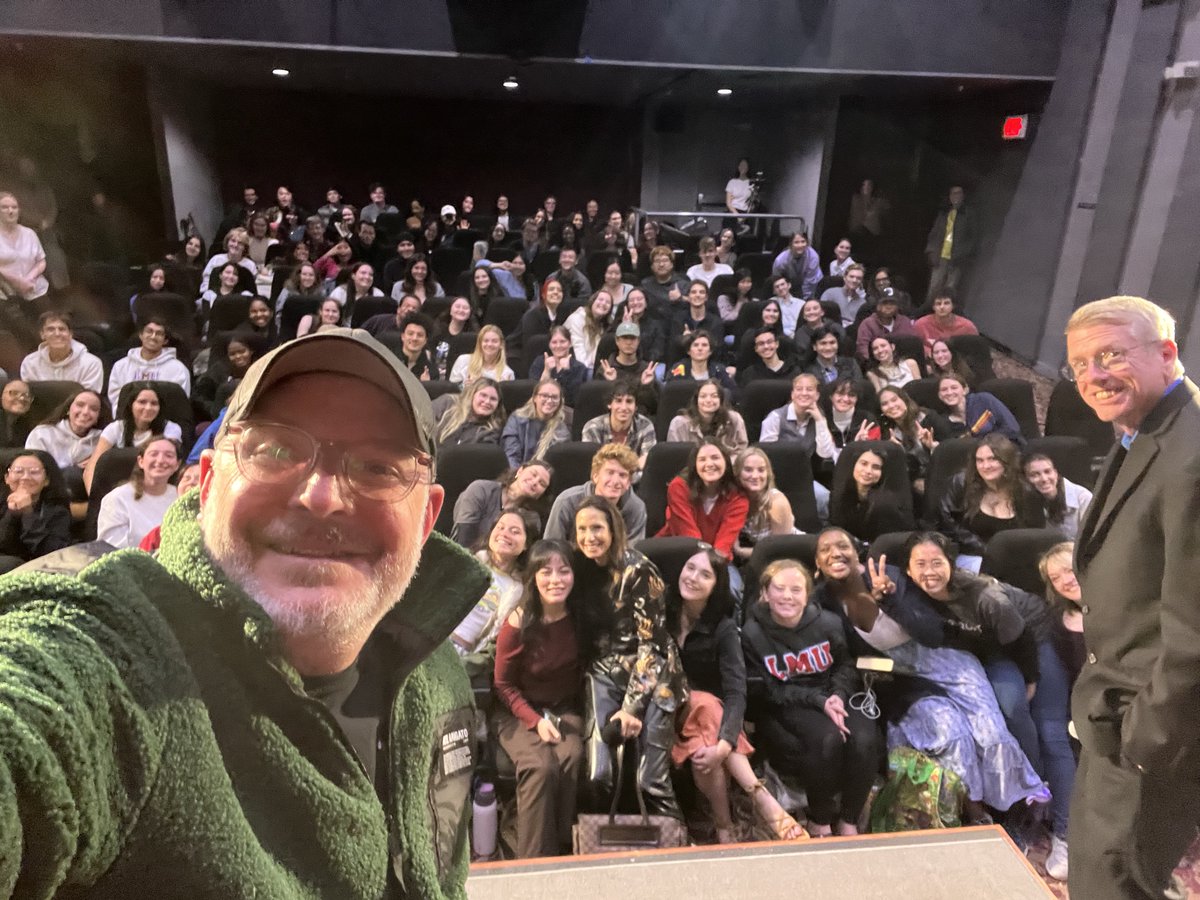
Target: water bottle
[{"x": 483, "y": 821}]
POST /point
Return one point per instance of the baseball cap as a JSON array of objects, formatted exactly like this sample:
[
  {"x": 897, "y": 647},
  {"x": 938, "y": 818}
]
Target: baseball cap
[
  {"x": 341, "y": 351},
  {"x": 448, "y": 210},
  {"x": 629, "y": 329}
]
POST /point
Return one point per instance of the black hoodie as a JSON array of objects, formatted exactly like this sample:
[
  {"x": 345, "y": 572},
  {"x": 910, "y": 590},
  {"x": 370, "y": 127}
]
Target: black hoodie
[{"x": 800, "y": 666}]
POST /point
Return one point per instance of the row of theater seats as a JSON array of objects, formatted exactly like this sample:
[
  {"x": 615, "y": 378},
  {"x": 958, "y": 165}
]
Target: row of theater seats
[{"x": 459, "y": 466}]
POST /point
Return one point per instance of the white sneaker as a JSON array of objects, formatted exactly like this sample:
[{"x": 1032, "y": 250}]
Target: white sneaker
[{"x": 1056, "y": 862}]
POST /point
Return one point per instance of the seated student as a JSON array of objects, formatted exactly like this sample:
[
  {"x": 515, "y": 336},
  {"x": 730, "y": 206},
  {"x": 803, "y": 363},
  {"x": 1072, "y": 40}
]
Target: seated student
[
  {"x": 1066, "y": 503},
  {"x": 242, "y": 351},
  {"x": 575, "y": 284},
  {"x": 382, "y": 323},
  {"x": 709, "y": 738},
  {"x": 478, "y": 507},
  {"x": 976, "y": 413},
  {"x": 128, "y": 512},
  {"x": 885, "y": 321},
  {"x": 949, "y": 710},
  {"x": 808, "y": 727},
  {"x": 560, "y": 365},
  {"x": 156, "y": 283},
  {"x": 944, "y": 361},
  {"x": 152, "y": 361},
  {"x": 864, "y": 507},
  {"x": 695, "y": 316},
  {"x": 69, "y": 435},
  {"x": 988, "y": 497},
  {"x": 260, "y": 322},
  {"x": 708, "y": 268},
  {"x": 613, "y": 470},
  {"x": 800, "y": 263},
  {"x": 663, "y": 288},
  {"x": 134, "y": 424},
  {"x": 706, "y": 501},
  {"x": 634, "y": 681},
  {"x": 487, "y": 360},
  {"x": 303, "y": 282},
  {"x": 768, "y": 364},
  {"x": 730, "y": 305},
  {"x": 329, "y": 315},
  {"x": 886, "y": 368},
  {"x": 539, "y": 719},
  {"x": 535, "y": 427},
  {"x": 415, "y": 331},
  {"x": 846, "y": 418},
  {"x": 543, "y": 315},
  {"x": 15, "y": 401},
  {"x": 60, "y": 357},
  {"x": 802, "y": 420},
  {"x": 943, "y": 323},
  {"x": 827, "y": 365},
  {"x": 476, "y": 416},
  {"x": 652, "y": 334},
  {"x": 360, "y": 285},
  {"x": 841, "y": 259},
  {"x": 812, "y": 320},
  {"x": 613, "y": 284},
  {"x": 850, "y": 297},
  {"x": 227, "y": 286},
  {"x": 882, "y": 284},
  {"x": 772, "y": 320},
  {"x": 700, "y": 364},
  {"x": 789, "y": 305},
  {"x": 710, "y": 415},
  {"x": 628, "y": 363},
  {"x": 237, "y": 242},
  {"x": 587, "y": 324},
  {"x": 34, "y": 514},
  {"x": 504, "y": 553},
  {"x": 623, "y": 424},
  {"x": 769, "y": 511},
  {"x": 915, "y": 429},
  {"x": 417, "y": 280},
  {"x": 1009, "y": 630}
]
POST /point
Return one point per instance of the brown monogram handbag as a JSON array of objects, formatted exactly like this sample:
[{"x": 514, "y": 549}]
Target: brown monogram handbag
[{"x": 599, "y": 833}]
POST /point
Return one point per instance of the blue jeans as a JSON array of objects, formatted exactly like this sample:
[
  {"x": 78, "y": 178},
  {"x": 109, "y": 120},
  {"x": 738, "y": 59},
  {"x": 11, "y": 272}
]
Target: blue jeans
[
  {"x": 1009, "y": 685},
  {"x": 1051, "y": 711}
]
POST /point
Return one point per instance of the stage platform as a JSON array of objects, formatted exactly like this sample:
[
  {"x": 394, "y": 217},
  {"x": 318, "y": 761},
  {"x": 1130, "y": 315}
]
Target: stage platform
[{"x": 980, "y": 863}]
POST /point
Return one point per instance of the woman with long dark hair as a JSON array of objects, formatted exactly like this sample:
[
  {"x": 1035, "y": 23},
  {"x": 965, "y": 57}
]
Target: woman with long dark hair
[
  {"x": 588, "y": 324},
  {"x": 709, "y": 414},
  {"x": 861, "y": 503},
  {"x": 988, "y": 497},
  {"x": 418, "y": 281},
  {"x": 539, "y": 721},
  {"x": 706, "y": 501},
  {"x": 914, "y": 428},
  {"x": 635, "y": 682},
  {"x": 35, "y": 518},
  {"x": 1066, "y": 503},
  {"x": 709, "y": 739},
  {"x": 135, "y": 423}
]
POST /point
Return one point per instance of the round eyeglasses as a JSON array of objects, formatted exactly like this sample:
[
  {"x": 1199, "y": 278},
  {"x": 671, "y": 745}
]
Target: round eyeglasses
[
  {"x": 1105, "y": 360},
  {"x": 269, "y": 453}
]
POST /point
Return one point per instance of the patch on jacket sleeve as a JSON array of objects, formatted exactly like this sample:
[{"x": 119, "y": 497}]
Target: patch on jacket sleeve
[{"x": 456, "y": 753}]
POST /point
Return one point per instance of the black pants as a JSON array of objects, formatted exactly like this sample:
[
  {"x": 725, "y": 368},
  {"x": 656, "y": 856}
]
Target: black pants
[
  {"x": 604, "y": 697},
  {"x": 804, "y": 742},
  {"x": 1128, "y": 831}
]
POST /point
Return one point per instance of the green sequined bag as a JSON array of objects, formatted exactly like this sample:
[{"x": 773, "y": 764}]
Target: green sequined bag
[{"x": 919, "y": 793}]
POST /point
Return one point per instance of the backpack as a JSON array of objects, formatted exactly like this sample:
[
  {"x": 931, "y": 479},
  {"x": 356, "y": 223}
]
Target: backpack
[{"x": 920, "y": 793}]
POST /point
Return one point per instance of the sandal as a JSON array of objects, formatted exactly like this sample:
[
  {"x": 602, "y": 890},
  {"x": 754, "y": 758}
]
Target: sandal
[{"x": 785, "y": 827}]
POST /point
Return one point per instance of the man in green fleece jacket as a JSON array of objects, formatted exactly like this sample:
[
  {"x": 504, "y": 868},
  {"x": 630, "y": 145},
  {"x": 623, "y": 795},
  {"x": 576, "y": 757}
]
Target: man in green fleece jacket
[{"x": 252, "y": 713}]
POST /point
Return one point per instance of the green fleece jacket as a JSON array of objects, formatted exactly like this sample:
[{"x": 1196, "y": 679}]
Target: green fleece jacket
[{"x": 154, "y": 742}]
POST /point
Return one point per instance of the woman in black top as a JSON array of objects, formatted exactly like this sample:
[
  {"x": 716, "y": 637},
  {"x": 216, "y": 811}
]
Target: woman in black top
[
  {"x": 710, "y": 737},
  {"x": 35, "y": 518},
  {"x": 915, "y": 429},
  {"x": 863, "y": 506}
]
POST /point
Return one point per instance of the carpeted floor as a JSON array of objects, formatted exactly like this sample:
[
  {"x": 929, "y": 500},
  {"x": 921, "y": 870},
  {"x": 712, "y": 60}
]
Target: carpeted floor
[
  {"x": 1188, "y": 871},
  {"x": 1007, "y": 367}
]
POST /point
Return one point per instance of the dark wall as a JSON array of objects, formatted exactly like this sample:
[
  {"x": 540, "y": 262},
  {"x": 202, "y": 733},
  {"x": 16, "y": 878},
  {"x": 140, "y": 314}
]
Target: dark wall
[
  {"x": 915, "y": 150},
  {"x": 1010, "y": 37},
  {"x": 435, "y": 149},
  {"x": 87, "y": 128}
]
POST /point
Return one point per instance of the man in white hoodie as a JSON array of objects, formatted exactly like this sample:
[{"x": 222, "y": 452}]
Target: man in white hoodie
[
  {"x": 60, "y": 357},
  {"x": 153, "y": 361}
]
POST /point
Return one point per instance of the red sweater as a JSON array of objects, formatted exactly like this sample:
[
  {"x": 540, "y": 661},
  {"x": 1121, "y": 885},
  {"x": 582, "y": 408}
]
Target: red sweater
[
  {"x": 930, "y": 329},
  {"x": 545, "y": 672},
  {"x": 720, "y": 527}
]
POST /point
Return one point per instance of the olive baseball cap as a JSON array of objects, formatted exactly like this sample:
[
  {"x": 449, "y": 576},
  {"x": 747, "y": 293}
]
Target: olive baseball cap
[{"x": 340, "y": 351}]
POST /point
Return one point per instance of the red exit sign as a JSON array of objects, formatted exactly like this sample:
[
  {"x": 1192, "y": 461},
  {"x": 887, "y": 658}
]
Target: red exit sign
[{"x": 1015, "y": 127}]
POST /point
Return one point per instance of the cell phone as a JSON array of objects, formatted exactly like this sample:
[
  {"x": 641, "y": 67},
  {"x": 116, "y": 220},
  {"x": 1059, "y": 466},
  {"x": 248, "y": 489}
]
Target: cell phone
[
  {"x": 874, "y": 433},
  {"x": 554, "y": 720}
]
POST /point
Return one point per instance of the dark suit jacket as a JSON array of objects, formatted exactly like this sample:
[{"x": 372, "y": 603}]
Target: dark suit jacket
[{"x": 1138, "y": 562}]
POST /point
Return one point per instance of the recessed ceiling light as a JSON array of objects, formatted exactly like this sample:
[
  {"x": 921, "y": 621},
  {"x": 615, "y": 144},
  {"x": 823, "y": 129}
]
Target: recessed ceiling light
[
  {"x": 724, "y": 92},
  {"x": 280, "y": 73},
  {"x": 510, "y": 83}
]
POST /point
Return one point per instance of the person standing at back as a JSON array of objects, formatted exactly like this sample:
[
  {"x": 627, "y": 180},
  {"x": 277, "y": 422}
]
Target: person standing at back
[{"x": 1136, "y": 701}]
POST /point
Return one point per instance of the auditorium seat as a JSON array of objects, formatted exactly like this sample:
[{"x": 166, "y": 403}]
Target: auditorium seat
[
  {"x": 457, "y": 467},
  {"x": 572, "y": 463},
  {"x": 665, "y": 460}
]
